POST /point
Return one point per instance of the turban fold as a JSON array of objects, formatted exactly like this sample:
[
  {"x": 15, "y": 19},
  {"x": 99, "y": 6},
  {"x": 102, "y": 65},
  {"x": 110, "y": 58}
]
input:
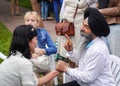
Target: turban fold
[{"x": 97, "y": 22}]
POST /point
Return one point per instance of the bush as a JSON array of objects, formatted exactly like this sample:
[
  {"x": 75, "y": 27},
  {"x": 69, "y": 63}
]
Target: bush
[
  {"x": 5, "y": 39},
  {"x": 25, "y": 3}
]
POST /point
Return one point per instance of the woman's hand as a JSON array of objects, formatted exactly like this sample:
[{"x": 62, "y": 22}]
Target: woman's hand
[{"x": 40, "y": 51}]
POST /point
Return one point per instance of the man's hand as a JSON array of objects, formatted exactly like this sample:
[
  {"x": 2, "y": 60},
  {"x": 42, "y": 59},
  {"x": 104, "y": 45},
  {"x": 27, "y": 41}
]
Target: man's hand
[
  {"x": 61, "y": 66},
  {"x": 68, "y": 45}
]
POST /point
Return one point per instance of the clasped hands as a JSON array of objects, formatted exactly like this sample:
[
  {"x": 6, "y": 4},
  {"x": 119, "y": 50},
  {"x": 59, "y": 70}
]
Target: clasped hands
[
  {"x": 61, "y": 65},
  {"x": 38, "y": 52}
]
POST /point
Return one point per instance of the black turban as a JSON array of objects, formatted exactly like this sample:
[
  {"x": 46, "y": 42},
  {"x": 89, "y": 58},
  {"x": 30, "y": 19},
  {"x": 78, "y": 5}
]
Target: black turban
[{"x": 97, "y": 22}]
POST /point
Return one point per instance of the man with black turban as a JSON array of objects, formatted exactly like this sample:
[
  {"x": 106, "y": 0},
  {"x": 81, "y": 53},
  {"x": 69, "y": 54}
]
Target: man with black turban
[{"x": 93, "y": 63}]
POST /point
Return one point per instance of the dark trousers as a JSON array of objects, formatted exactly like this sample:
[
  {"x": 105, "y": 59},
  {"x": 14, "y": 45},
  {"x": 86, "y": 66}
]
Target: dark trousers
[{"x": 73, "y": 83}]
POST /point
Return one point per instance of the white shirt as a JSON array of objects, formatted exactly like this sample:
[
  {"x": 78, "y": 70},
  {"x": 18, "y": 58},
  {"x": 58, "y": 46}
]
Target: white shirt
[
  {"x": 94, "y": 66},
  {"x": 17, "y": 71}
]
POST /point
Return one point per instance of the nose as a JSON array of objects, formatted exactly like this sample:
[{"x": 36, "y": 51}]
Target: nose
[
  {"x": 82, "y": 27},
  {"x": 29, "y": 22}
]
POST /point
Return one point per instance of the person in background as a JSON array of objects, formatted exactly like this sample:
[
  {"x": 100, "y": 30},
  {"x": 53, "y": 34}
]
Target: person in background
[
  {"x": 50, "y": 10},
  {"x": 45, "y": 44},
  {"x": 14, "y": 6},
  {"x": 17, "y": 70},
  {"x": 94, "y": 61},
  {"x": 44, "y": 9},
  {"x": 111, "y": 11},
  {"x": 56, "y": 8},
  {"x": 68, "y": 14},
  {"x": 36, "y": 6}
]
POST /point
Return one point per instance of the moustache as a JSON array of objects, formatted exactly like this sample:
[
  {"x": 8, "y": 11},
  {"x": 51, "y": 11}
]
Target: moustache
[{"x": 87, "y": 36}]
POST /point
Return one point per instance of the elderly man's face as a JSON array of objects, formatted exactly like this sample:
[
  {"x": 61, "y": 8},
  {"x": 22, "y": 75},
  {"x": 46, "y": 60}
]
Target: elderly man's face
[{"x": 86, "y": 31}]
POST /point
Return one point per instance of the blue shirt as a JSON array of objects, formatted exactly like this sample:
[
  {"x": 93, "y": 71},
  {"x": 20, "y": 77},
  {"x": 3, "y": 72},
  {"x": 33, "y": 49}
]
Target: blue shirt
[{"x": 45, "y": 41}]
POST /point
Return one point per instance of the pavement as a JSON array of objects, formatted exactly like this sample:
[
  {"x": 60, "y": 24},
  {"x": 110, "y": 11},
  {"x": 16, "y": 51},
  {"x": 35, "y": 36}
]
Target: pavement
[{"x": 11, "y": 22}]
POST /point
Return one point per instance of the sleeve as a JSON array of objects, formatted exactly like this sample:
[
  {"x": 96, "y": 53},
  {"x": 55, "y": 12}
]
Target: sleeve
[
  {"x": 28, "y": 77},
  {"x": 72, "y": 56},
  {"x": 51, "y": 48},
  {"x": 113, "y": 11},
  {"x": 93, "y": 67}
]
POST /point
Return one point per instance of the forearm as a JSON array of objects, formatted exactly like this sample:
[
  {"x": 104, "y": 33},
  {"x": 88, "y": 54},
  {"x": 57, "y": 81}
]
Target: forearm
[
  {"x": 47, "y": 78},
  {"x": 72, "y": 55},
  {"x": 113, "y": 11},
  {"x": 51, "y": 50}
]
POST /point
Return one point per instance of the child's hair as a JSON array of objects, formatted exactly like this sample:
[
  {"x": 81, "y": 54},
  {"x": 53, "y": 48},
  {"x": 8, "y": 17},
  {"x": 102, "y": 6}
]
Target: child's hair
[{"x": 35, "y": 15}]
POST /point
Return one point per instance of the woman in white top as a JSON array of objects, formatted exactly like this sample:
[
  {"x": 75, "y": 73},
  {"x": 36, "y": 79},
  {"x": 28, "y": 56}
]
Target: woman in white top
[{"x": 17, "y": 70}]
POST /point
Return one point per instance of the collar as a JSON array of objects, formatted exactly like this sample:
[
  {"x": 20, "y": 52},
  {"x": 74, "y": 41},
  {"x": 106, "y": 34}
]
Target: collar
[{"x": 91, "y": 43}]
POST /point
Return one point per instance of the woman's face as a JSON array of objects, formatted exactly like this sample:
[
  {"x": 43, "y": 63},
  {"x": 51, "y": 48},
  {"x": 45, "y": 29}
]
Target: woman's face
[
  {"x": 33, "y": 44},
  {"x": 32, "y": 21}
]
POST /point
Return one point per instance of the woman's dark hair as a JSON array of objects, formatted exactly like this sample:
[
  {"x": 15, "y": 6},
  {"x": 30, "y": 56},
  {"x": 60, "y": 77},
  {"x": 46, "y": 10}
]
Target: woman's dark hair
[{"x": 21, "y": 37}]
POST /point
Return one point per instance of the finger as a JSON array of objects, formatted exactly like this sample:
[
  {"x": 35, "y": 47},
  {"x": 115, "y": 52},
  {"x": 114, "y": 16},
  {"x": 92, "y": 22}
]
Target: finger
[{"x": 67, "y": 37}]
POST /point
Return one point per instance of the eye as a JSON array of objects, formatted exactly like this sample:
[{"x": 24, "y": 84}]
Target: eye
[{"x": 27, "y": 20}]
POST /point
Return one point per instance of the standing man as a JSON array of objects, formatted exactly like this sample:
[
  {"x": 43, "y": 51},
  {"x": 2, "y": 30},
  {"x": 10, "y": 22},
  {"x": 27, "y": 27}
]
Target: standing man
[
  {"x": 94, "y": 61},
  {"x": 36, "y": 7},
  {"x": 56, "y": 8},
  {"x": 111, "y": 10}
]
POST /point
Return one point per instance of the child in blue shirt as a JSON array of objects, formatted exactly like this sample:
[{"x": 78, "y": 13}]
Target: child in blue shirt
[{"x": 45, "y": 44}]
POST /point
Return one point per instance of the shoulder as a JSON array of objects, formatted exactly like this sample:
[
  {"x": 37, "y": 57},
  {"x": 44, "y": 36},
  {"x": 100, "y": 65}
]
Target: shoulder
[
  {"x": 21, "y": 59},
  {"x": 99, "y": 46}
]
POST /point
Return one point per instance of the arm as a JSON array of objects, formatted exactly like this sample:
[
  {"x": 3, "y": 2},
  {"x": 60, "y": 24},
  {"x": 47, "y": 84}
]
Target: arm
[
  {"x": 69, "y": 47},
  {"x": 93, "y": 67},
  {"x": 51, "y": 48},
  {"x": 114, "y": 11},
  {"x": 45, "y": 79}
]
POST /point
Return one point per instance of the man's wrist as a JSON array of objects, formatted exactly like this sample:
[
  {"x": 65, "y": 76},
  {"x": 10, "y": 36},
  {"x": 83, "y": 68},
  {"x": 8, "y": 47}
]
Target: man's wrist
[{"x": 67, "y": 70}]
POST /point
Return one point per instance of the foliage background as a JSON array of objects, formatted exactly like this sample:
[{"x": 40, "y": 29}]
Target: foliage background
[
  {"x": 5, "y": 39},
  {"x": 5, "y": 34}
]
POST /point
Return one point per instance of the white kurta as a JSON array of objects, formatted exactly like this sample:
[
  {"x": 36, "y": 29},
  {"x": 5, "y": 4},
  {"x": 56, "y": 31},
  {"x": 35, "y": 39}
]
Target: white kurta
[{"x": 94, "y": 65}]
